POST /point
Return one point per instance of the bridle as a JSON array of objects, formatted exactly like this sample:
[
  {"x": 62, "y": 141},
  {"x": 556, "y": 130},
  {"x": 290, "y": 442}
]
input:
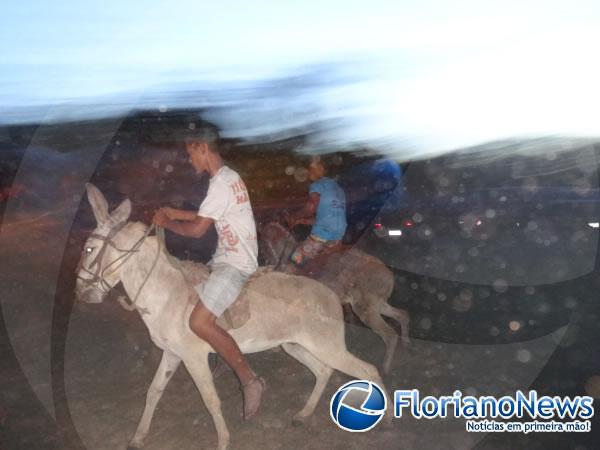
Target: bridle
[{"x": 97, "y": 281}]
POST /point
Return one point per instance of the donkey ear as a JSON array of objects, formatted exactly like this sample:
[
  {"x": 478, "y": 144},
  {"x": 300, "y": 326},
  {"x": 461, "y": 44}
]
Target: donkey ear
[
  {"x": 121, "y": 212},
  {"x": 99, "y": 204}
]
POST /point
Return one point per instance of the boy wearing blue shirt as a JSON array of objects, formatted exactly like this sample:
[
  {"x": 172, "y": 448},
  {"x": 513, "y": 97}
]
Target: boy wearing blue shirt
[{"x": 325, "y": 210}]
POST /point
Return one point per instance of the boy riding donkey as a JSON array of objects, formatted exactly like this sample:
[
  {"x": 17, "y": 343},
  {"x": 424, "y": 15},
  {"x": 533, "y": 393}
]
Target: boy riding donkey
[
  {"x": 325, "y": 210},
  {"x": 227, "y": 206}
]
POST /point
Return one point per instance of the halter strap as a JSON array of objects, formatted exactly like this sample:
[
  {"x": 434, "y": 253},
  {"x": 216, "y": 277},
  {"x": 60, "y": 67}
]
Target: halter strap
[{"x": 97, "y": 276}]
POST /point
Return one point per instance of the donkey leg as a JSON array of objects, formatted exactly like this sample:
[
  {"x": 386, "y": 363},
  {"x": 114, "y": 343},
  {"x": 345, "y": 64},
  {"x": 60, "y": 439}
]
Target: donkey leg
[
  {"x": 399, "y": 315},
  {"x": 166, "y": 369},
  {"x": 341, "y": 359},
  {"x": 203, "y": 379},
  {"x": 322, "y": 374},
  {"x": 369, "y": 313}
]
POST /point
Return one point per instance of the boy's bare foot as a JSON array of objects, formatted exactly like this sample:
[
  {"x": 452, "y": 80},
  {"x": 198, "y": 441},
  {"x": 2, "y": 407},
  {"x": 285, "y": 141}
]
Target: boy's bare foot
[{"x": 253, "y": 391}]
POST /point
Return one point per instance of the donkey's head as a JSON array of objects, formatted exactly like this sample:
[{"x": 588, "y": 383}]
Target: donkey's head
[
  {"x": 276, "y": 244},
  {"x": 98, "y": 268}
]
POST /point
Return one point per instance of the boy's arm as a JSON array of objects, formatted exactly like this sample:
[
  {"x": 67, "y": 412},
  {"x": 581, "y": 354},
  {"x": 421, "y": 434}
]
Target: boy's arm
[
  {"x": 307, "y": 213},
  {"x": 179, "y": 214},
  {"x": 189, "y": 228}
]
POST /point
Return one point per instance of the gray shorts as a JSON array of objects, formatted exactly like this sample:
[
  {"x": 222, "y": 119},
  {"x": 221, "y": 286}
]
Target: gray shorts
[{"x": 222, "y": 288}]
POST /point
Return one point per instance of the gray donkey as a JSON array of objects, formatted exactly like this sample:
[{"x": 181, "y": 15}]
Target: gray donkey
[
  {"x": 360, "y": 280},
  {"x": 299, "y": 314}
]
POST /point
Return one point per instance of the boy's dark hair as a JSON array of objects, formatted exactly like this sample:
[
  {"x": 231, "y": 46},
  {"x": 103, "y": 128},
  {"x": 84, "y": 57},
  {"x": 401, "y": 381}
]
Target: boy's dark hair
[
  {"x": 330, "y": 161},
  {"x": 202, "y": 131}
]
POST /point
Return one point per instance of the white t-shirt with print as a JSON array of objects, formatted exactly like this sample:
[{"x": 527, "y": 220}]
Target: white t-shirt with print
[{"x": 228, "y": 204}]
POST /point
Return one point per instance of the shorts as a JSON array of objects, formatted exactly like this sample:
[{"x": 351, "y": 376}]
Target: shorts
[
  {"x": 222, "y": 288},
  {"x": 310, "y": 248}
]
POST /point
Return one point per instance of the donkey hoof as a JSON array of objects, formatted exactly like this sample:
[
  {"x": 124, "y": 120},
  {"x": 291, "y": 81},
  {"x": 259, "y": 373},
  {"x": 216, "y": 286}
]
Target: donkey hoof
[
  {"x": 133, "y": 445},
  {"x": 299, "y": 421}
]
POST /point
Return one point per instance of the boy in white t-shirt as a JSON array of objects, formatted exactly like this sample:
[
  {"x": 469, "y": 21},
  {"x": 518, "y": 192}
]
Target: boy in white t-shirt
[{"x": 228, "y": 207}]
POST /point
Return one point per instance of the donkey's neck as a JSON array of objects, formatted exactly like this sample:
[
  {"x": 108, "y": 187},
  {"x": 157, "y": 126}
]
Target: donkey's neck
[{"x": 151, "y": 278}]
